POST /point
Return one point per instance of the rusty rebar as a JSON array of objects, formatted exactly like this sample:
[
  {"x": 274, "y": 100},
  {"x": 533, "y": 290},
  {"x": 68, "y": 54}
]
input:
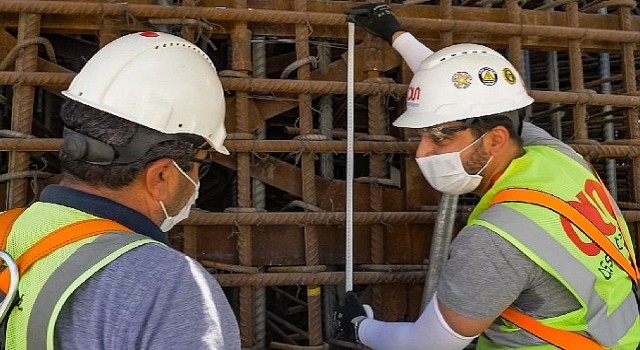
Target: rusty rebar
[
  {"x": 318, "y": 279},
  {"x": 632, "y": 114},
  {"x": 334, "y": 87},
  {"x": 576, "y": 75},
  {"x": 328, "y": 218},
  {"x": 610, "y": 150},
  {"x": 22, "y": 106},
  {"x": 215, "y": 14},
  {"x": 305, "y": 119}
]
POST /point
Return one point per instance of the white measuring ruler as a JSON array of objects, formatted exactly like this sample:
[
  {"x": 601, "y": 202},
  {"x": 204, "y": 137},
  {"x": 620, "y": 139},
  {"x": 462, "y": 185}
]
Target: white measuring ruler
[{"x": 349, "y": 178}]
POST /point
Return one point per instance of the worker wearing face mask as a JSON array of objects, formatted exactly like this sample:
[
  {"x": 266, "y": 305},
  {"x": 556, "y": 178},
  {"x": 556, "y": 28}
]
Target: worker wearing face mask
[
  {"x": 140, "y": 122},
  {"x": 545, "y": 260}
]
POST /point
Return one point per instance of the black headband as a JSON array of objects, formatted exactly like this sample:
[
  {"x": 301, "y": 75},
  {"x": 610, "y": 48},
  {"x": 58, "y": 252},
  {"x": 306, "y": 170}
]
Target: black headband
[{"x": 78, "y": 146}]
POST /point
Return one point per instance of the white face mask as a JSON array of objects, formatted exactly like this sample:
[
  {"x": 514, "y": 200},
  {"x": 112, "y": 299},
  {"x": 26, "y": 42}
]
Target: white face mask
[
  {"x": 446, "y": 173},
  {"x": 170, "y": 221}
]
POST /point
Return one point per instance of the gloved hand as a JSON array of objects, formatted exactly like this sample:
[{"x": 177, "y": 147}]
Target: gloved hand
[
  {"x": 377, "y": 19},
  {"x": 349, "y": 309}
]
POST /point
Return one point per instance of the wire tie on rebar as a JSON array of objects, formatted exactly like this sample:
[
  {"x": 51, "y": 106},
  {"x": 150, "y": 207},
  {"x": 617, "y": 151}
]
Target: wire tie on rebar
[
  {"x": 298, "y": 156},
  {"x": 303, "y": 138},
  {"x": 429, "y": 208},
  {"x": 309, "y": 28},
  {"x": 24, "y": 174},
  {"x": 312, "y": 60},
  {"x": 376, "y": 181},
  {"x": 228, "y": 267},
  {"x": 553, "y": 4},
  {"x": 311, "y": 137},
  {"x": 392, "y": 267},
  {"x": 129, "y": 17},
  {"x": 228, "y": 73},
  {"x": 262, "y": 157},
  {"x": 583, "y": 142},
  {"x": 611, "y": 3},
  {"x": 462, "y": 209},
  {"x": 244, "y": 210},
  {"x": 379, "y": 80},
  {"x": 241, "y": 136},
  {"x": 13, "y": 53},
  {"x": 304, "y": 205},
  {"x": 298, "y": 269},
  {"x": 13, "y": 134},
  {"x": 381, "y": 138}
]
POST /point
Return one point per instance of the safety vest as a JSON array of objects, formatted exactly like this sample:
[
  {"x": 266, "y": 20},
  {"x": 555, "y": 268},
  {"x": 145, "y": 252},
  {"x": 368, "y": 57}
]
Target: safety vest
[
  {"x": 608, "y": 312},
  {"x": 56, "y": 249}
]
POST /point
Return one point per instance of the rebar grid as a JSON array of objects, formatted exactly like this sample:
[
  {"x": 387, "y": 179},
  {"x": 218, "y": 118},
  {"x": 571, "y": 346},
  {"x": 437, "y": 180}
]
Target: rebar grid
[
  {"x": 22, "y": 111},
  {"x": 241, "y": 62},
  {"x": 378, "y": 125},
  {"x": 305, "y": 118},
  {"x": 377, "y": 145}
]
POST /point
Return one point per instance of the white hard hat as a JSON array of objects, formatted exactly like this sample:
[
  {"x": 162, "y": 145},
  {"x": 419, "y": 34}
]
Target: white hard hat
[
  {"x": 157, "y": 80},
  {"x": 459, "y": 82}
]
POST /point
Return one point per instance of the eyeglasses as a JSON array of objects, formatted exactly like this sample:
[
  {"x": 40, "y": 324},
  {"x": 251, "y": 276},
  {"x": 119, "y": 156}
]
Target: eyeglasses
[
  {"x": 205, "y": 164},
  {"x": 438, "y": 133}
]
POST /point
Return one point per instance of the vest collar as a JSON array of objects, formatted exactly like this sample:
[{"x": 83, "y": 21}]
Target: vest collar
[{"x": 104, "y": 208}]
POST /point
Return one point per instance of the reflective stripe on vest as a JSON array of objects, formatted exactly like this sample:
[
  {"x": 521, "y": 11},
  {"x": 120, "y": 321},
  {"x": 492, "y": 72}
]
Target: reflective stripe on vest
[
  {"x": 81, "y": 265},
  {"x": 605, "y": 328}
]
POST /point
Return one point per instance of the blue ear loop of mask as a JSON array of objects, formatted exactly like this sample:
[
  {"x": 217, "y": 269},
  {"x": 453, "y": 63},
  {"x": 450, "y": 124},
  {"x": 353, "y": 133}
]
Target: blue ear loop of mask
[{"x": 170, "y": 221}]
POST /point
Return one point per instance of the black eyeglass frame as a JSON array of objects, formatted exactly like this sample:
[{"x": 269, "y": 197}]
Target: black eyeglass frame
[
  {"x": 205, "y": 164},
  {"x": 438, "y": 133}
]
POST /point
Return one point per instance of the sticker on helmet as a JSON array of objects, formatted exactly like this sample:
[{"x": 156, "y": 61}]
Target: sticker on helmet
[
  {"x": 488, "y": 76},
  {"x": 461, "y": 80},
  {"x": 509, "y": 76}
]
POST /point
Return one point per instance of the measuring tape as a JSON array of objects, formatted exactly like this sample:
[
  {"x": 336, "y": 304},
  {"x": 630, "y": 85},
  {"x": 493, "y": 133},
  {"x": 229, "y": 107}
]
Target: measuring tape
[{"x": 349, "y": 180}]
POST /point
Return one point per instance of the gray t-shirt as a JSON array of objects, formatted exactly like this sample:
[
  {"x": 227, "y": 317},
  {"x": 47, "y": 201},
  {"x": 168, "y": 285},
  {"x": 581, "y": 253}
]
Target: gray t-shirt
[
  {"x": 152, "y": 297},
  {"x": 485, "y": 273}
]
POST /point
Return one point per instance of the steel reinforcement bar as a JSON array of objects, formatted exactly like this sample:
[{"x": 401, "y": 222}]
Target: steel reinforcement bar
[
  {"x": 317, "y": 278},
  {"x": 331, "y": 218},
  {"x": 62, "y": 80},
  {"x": 313, "y": 18},
  {"x": 618, "y": 150}
]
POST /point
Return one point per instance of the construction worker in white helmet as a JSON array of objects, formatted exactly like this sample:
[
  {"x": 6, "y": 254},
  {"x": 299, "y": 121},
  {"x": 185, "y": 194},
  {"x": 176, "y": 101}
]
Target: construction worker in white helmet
[
  {"x": 545, "y": 260},
  {"x": 141, "y": 119}
]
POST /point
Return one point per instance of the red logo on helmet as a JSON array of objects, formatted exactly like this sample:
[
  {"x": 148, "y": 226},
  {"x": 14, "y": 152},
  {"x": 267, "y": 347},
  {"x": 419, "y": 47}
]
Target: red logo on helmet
[
  {"x": 413, "y": 93},
  {"x": 149, "y": 34}
]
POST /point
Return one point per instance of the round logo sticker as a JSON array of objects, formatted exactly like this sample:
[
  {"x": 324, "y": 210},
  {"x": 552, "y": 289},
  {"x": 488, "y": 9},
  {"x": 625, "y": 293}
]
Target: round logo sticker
[
  {"x": 488, "y": 76},
  {"x": 461, "y": 80},
  {"x": 509, "y": 76}
]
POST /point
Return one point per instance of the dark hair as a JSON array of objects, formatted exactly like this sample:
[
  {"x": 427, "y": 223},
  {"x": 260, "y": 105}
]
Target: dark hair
[
  {"x": 485, "y": 123},
  {"x": 114, "y": 131}
]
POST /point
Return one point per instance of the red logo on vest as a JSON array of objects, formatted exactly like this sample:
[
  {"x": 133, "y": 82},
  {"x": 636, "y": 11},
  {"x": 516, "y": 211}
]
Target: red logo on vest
[{"x": 593, "y": 203}]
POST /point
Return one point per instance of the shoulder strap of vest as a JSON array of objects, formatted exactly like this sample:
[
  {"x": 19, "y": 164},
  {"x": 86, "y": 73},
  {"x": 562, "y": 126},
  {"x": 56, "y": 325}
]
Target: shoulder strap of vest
[
  {"x": 560, "y": 338},
  {"x": 561, "y": 207},
  {"x": 57, "y": 239},
  {"x": 6, "y": 223}
]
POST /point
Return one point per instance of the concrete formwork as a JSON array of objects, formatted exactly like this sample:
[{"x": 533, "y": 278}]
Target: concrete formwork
[{"x": 271, "y": 216}]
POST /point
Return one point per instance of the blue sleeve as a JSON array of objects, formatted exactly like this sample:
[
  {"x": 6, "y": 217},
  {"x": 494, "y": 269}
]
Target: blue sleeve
[
  {"x": 152, "y": 297},
  {"x": 185, "y": 309}
]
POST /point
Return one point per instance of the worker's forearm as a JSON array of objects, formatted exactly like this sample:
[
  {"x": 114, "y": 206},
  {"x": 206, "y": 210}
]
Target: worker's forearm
[{"x": 412, "y": 51}]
